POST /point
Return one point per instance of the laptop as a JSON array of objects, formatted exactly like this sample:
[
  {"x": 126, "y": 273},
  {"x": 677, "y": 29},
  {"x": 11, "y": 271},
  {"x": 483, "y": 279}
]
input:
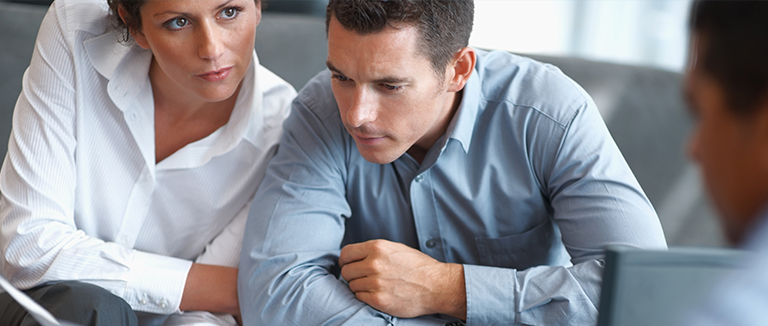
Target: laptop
[{"x": 656, "y": 287}]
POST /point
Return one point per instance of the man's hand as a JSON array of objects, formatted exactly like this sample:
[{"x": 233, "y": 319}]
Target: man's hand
[{"x": 402, "y": 281}]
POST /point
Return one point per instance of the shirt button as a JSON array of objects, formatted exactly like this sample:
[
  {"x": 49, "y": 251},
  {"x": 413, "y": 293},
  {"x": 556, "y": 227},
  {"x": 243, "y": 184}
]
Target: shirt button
[
  {"x": 431, "y": 244},
  {"x": 163, "y": 304},
  {"x": 419, "y": 178}
]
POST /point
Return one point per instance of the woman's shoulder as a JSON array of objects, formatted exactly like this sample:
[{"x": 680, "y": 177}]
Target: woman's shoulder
[{"x": 91, "y": 16}]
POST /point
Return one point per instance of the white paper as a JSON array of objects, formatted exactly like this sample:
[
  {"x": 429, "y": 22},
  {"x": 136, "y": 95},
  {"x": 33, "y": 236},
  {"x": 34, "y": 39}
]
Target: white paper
[{"x": 39, "y": 313}]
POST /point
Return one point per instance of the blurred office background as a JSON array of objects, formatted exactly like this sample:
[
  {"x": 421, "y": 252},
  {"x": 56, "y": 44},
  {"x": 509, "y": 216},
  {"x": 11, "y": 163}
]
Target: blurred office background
[{"x": 640, "y": 32}]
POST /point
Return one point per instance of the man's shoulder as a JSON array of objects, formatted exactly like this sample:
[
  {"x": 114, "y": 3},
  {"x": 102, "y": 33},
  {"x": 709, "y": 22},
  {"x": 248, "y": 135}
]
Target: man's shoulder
[
  {"x": 315, "y": 112},
  {"x": 317, "y": 96},
  {"x": 520, "y": 81}
]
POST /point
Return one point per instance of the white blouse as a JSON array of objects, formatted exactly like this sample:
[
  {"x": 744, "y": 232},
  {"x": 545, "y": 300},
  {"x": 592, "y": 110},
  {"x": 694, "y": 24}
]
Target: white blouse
[{"x": 82, "y": 198}]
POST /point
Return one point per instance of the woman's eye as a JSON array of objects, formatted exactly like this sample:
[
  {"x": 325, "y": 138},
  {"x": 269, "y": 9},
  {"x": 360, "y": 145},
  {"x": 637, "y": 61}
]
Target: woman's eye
[
  {"x": 177, "y": 23},
  {"x": 229, "y": 13}
]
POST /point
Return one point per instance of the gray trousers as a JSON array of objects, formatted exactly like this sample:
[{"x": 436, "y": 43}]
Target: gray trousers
[{"x": 81, "y": 303}]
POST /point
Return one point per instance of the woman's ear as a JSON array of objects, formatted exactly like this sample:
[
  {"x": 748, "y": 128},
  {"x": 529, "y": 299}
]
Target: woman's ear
[
  {"x": 137, "y": 35},
  {"x": 461, "y": 68}
]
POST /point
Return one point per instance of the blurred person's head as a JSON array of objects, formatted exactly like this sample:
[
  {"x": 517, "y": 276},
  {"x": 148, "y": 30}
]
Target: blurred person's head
[
  {"x": 727, "y": 91},
  {"x": 397, "y": 69}
]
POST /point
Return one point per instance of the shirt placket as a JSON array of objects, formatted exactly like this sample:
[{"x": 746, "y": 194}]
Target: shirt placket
[
  {"x": 140, "y": 123},
  {"x": 137, "y": 208},
  {"x": 425, "y": 216}
]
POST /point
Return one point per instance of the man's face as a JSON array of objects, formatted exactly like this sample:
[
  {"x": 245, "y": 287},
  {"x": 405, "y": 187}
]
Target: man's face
[
  {"x": 389, "y": 97},
  {"x": 728, "y": 147}
]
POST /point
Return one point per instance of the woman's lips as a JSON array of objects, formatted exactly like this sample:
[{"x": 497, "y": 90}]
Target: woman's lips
[{"x": 214, "y": 76}]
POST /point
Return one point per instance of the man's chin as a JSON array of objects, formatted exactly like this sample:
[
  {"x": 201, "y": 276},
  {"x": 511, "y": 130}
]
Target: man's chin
[{"x": 380, "y": 157}]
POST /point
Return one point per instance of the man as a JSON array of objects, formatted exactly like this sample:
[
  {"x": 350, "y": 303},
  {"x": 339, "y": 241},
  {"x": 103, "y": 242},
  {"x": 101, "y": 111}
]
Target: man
[
  {"x": 446, "y": 176},
  {"x": 727, "y": 91}
]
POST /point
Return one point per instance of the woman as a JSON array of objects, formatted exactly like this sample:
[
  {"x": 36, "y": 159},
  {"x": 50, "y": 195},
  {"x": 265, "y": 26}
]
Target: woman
[{"x": 132, "y": 162}]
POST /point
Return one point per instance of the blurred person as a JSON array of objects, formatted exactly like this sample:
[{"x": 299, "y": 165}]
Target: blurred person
[
  {"x": 139, "y": 138},
  {"x": 727, "y": 91},
  {"x": 423, "y": 182}
]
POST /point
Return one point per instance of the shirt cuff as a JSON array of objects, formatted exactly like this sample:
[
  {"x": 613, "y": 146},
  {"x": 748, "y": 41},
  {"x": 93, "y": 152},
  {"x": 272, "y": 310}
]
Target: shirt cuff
[
  {"x": 490, "y": 295},
  {"x": 156, "y": 283}
]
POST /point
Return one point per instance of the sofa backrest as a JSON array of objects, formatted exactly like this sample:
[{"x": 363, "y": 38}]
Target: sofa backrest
[{"x": 18, "y": 26}]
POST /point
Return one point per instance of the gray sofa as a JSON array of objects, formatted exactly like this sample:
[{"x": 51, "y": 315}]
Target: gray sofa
[{"x": 641, "y": 106}]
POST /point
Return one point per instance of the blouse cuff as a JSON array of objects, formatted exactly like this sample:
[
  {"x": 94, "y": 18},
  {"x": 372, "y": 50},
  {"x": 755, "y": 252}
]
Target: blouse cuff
[{"x": 156, "y": 283}]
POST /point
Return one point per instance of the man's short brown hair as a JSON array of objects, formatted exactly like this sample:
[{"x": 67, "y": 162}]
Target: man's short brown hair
[{"x": 444, "y": 25}]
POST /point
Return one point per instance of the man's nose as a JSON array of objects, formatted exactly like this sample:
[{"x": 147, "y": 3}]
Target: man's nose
[{"x": 362, "y": 109}]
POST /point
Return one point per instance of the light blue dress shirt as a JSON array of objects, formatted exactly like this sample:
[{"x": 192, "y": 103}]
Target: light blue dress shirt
[{"x": 525, "y": 189}]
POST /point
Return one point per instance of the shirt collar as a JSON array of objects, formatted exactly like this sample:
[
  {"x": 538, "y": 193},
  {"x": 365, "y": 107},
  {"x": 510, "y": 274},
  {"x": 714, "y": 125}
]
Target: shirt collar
[
  {"x": 126, "y": 66},
  {"x": 242, "y": 123},
  {"x": 105, "y": 53},
  {"x": 463, "y": 123},
  {"x": 112, "y": 59},
  {"x": 757, "y": 232}
]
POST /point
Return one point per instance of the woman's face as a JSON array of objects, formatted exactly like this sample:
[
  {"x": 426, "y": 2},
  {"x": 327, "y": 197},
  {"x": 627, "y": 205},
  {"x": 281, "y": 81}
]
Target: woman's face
[{"x": 202, "y": 48}]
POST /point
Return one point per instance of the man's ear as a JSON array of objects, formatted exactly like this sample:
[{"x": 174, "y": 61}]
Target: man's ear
[
  {"x": 461, "y": 68},
  {"x": 137, "y": 35}
]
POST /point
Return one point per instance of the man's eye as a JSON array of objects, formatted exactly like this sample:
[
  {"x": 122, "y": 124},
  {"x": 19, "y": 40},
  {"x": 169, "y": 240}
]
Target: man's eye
[
  {"x": 391, "y": 87},
  {"x": 340, "y": 77},
  {"x": 177, "y": 23}
]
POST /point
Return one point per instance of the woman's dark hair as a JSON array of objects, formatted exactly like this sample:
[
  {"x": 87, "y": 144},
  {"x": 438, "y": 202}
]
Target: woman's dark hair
[
  {"x": 132, "y": 16},
  {"x": 444, "y": 25},
  {"x": 736, "y": 53}
]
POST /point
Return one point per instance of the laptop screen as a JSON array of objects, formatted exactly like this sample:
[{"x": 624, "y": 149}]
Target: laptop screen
[{"x": 656, "y": 287}]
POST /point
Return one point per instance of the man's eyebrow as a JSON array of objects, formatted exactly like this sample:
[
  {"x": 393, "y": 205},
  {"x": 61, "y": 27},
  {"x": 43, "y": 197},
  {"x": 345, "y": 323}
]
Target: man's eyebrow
[
  {"x": 384, "y": 80},
  {"x": 333, "y": 68},
  {"x": 393, "y": 80}
]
